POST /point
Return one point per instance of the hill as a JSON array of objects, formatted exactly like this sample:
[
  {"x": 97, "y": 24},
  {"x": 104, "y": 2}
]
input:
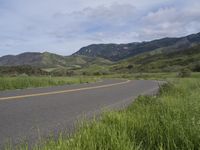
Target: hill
[
  {"x": 161, "y": 62},
  {"x": 116, "y": 52},
  {"x": 21, "y": 70},
  {"x": 46, "y": 60},
  {"x": 164, "y": 55}
]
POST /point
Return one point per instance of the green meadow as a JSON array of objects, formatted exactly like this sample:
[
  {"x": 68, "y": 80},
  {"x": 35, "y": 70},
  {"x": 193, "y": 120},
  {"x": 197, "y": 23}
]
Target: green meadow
[{"x": 22, "y": 82}]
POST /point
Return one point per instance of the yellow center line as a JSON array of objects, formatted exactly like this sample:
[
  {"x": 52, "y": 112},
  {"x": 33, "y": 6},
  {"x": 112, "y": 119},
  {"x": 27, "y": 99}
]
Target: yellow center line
[{"x": 60, "y": 92}]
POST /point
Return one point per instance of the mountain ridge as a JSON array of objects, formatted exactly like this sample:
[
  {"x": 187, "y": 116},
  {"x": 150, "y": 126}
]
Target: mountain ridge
[
  {"x": 102, "y": 54},
  {"x": 116, "y": 52}
]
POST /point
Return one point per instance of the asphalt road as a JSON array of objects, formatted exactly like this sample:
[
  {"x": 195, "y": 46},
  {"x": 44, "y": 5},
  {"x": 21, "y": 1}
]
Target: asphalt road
[{"x": 34, "y": 113}]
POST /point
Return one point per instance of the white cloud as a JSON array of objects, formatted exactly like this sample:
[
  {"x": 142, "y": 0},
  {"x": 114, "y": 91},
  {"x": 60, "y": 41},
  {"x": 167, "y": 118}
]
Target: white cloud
[
  {"x": 171, "y": 21},
  {"x": 66, "y": 25}
]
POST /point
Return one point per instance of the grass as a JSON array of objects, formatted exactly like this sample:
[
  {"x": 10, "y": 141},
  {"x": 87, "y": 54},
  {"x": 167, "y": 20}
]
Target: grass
[
  {"x": 11, "y": 83},
  {"x": 149, "y": 76},
  {"x": 168, "y": 121},
  {"x": 160, "y": 62},
  {"x": 23, "y": 82}
]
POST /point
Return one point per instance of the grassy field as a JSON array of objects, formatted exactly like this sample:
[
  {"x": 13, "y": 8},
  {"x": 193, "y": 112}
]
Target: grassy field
[
  {"x": 168, "y": 121},
  {"x": 150, "y": 76},
  {"x": 22, "y": 82},
  {"x": 11, "y": 83}
]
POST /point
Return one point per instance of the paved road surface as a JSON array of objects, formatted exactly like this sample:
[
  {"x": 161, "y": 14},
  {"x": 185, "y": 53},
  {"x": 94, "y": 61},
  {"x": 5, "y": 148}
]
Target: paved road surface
[{"x": 34, "y": 113}]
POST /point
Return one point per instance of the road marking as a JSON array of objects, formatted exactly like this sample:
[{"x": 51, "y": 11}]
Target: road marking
[{"x": 60, "y": 92}]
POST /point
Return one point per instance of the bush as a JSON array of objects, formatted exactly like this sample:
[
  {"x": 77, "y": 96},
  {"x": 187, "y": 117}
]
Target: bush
[
  {"x": 184, "y": 73},
  {"x": 196, "y": 68},
  {"x": 97, "y": 73},
  {"x": 130, "y": 67}
]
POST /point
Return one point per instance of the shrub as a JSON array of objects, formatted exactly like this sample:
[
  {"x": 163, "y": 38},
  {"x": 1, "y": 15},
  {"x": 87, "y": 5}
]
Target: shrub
[
  {"x": 196, "y": 68},
  {"x": 184, "y": 73},
  {"x": 130, "y": 67},
  {"x": 97, "y": 73}
]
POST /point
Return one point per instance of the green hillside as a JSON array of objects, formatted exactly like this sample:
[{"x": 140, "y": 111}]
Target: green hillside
[
  {"x": 21, "y": 70},
  {"x": 74, "y": 61},
  {"x": 154, "y": 61},
  {"x": 47, "y": 60},
  {"x": 161, "y": 62},
  {"x": 163, "y": 55}
]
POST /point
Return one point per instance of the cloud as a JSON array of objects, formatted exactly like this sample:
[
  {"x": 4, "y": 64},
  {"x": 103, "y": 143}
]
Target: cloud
[
  {"x": 171, "y": 21},
  {"x": 64, "y": 26},
  {"x": 102, "y": 24}
]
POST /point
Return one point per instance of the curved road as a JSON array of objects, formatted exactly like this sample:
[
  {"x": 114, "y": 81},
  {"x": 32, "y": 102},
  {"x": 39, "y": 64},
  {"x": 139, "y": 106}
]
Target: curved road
[{"x": 34, "y": 113}]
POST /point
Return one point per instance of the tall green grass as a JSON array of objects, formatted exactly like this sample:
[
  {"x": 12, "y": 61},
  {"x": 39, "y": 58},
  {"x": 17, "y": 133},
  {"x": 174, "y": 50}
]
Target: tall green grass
[
  {"x": 150, "y": 76},
  {"x": 11, "y": 83},
  {"x": 168, "y": 121}
]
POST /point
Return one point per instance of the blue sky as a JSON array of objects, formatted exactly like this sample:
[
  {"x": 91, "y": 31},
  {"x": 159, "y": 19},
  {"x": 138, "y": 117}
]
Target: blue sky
[{"x": 64, "y": 26}]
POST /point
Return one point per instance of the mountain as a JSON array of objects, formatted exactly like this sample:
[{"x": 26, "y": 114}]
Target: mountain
[
  {"x": 116, "y": 52},
  {"x": 167, "y": 54},
  {"x": 49, "y": 60}
]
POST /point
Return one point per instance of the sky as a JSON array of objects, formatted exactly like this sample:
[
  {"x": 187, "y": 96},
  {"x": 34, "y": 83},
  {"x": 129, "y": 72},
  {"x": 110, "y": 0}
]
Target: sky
[{"x": 64, "y": 26}]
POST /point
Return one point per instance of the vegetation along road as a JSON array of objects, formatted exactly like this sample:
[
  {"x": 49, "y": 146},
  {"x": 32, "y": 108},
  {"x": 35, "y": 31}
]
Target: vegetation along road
[{"x": 36, "y": 113}]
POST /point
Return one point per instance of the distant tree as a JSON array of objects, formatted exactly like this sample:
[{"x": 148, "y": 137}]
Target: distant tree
[
  {"x": 184, "y": 73},
  {"x": 196, "y": 68},
  {"x": 70, "y": 73},
  {"x": 97, "y": 73},
  {"x": 130, "y": 67}
]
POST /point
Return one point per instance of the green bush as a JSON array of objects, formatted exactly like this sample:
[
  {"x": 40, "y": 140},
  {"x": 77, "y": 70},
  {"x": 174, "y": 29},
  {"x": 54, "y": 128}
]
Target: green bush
[
  {"x": 196, "y": 68},
  {"x": 184, "y": 73},
  {"x": 130, "y": 67}
]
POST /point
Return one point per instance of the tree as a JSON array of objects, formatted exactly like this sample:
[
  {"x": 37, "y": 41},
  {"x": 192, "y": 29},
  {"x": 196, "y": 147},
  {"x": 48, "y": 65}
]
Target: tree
[{"x": 184, "y": 73}]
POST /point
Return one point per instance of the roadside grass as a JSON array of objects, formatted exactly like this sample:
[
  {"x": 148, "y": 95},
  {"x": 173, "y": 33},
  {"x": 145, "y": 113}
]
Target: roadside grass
[
  {"x": 195, "y": 75},
  {"x": 22, "y": 82},
  {"x": 168, "y": 121},
  {"x": 149, "y": 76}
]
